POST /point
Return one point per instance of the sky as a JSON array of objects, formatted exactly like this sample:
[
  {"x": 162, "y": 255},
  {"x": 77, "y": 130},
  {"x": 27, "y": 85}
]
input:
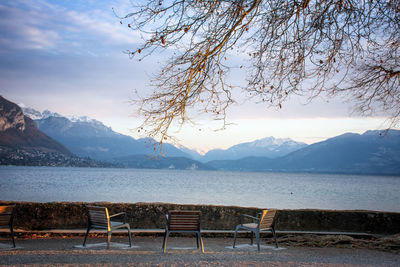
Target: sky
[{"x": 68, "y": 57}]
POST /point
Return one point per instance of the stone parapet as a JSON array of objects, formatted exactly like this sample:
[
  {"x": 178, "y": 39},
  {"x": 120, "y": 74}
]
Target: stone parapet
[{"x": 71, "y": 215}]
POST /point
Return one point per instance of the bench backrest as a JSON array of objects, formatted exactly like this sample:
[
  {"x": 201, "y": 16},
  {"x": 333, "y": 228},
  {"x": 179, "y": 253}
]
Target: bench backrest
[
  {"x": 180, "y": 220},
  {"x": 6, "y": 215},
  {"x": 98, "y": 216},
  {"x": 267, "y": 218}
]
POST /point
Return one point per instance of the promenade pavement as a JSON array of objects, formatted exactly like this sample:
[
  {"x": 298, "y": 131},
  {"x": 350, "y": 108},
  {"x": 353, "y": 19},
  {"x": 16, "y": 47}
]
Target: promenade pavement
[{"x": 182, "y": 251}]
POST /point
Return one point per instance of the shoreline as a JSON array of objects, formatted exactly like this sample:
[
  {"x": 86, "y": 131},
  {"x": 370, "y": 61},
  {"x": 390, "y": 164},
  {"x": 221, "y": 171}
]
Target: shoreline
[{"x": 213, "y": 170}]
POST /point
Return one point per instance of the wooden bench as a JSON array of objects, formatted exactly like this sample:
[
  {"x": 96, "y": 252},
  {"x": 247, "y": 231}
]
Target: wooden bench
[
  {"x": 183, "y": 222},
  {"x": 7, "y": 218},
  {"x": 98, "y": 217}
]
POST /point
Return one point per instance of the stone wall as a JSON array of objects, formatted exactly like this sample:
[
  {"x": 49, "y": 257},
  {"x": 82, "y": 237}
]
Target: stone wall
[{"x": 69, "y": 215}]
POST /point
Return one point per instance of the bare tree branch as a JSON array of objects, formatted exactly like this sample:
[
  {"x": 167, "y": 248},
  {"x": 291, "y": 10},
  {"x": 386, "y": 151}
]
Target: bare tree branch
[{"x": 344, "y": 47}]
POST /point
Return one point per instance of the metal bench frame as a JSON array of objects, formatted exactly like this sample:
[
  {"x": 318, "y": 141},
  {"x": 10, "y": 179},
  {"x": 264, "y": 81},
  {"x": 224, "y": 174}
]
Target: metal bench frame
[
  {"x": 98, "y": 217},
  {"x": 265, "y": 221}
]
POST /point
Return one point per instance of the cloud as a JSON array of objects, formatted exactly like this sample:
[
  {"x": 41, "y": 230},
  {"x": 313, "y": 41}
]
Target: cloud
[
  {"x": 109, "y": 32},
  {"x": 20, "y": 29},
  {"x": 41, "y": 25},
  {"x": 41, "y": 39}
]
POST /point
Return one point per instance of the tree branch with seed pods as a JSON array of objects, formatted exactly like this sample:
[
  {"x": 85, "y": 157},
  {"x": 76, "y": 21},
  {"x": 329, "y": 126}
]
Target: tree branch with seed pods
[{"x": 341, "y": 48}]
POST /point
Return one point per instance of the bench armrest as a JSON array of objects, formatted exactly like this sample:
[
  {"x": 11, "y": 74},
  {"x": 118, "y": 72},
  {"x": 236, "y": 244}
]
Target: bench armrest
[
  {"x": 248, "y": 216},
  {"x": 119, "y": 214}
]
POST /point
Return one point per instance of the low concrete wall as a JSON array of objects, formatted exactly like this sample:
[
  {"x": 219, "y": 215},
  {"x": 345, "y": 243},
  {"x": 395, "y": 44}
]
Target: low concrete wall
[{"x": 69, "y": 215}]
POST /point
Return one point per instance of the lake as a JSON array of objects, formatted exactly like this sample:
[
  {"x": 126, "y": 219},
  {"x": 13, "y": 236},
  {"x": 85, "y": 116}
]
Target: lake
[{"x": 247, "y": 189}]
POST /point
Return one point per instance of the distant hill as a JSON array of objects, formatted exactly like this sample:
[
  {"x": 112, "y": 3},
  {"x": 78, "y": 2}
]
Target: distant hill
[
  {"x": 258, "y": 164},
  {"x": 21, "y": 143},
  {"x": 374, "y": 152},
  {"x": 268, "y": 147},
  {"x": 148, "y": 162},
  {"x": 191, "y": 152},
  {"x": 90, "y": 138}
]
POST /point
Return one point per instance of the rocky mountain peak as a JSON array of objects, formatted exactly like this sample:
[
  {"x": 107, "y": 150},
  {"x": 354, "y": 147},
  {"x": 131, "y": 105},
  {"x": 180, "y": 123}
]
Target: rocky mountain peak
[
  {"x": 11, "y": 116},
  {"x": 18, "y": 131}
]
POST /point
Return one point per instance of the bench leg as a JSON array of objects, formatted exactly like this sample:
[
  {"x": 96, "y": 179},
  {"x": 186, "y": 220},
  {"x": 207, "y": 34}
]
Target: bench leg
[
  {"x": 164, "y": 246},
  {"x": 12, "y": 235},
  {"x": 109, "y": 233},
  {"x": 201, "y": 243},
  {"x": 274, "y": 234},
  {"x": 87, "y": 233},
  {"x": 129, "y": 236},
  {"x": 234, "y": 236},
  {"x": 257, "y": 234}
]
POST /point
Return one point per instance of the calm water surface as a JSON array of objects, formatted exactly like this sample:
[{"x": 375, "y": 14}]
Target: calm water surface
[{"x": 263, "y": 190}]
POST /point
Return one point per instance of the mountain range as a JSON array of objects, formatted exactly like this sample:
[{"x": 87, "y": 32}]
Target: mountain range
[
  {"x": 268, "y": 147},
  {"x": 87, "y": 137},
  {"x": 91, "y": 138},
  {"x": 374, "y": 152}
]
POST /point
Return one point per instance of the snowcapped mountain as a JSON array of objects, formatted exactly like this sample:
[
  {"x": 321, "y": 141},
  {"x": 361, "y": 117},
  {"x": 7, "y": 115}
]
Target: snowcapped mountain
[
  {"x": 32, "y": 113},
  {"x": 37, "y": 115},
  {"x": 267, "y": 147},
  {"x": 87, "y": 137},
  {"x": 271, "y": 143},
  {"x": 86, "y": 119},
  {"x": 53, "y": 123}
]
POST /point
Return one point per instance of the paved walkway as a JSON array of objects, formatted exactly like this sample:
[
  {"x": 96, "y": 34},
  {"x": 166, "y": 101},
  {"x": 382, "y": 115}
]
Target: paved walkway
[{"x": 182, "y": 251}]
